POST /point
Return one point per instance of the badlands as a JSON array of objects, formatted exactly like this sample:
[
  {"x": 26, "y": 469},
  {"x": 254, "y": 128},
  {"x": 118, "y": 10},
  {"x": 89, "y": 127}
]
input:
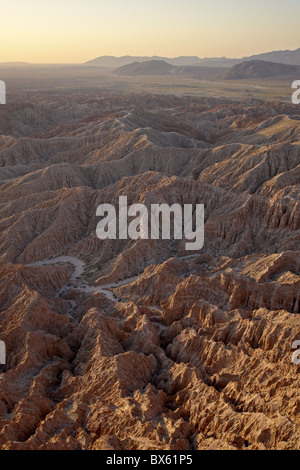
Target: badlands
[{"x": 138, "y": 344}]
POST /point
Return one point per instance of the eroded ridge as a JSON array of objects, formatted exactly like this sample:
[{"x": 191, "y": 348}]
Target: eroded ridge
[{"x": 124, "y": 344}]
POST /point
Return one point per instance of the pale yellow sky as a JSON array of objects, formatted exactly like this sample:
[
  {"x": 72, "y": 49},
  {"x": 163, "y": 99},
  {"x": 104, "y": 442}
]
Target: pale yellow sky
[{"x": 74, "y": 31}]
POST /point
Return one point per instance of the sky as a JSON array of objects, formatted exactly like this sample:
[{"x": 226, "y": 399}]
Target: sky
[{"x": 75, "y": 31}]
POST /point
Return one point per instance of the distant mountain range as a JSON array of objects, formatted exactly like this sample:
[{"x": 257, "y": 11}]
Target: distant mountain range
[
  {"x": 160, "y": 67},
  {"x": 246, "y": 70},
  {"x": 261, "y": 69},
  {"x": 152, "y": 67},
  {"x": 114, "y": 62},
  {"x": 283, "y": 57}
]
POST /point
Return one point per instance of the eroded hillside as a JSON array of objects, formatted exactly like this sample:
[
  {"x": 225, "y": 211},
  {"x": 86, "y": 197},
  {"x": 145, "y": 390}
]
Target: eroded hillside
[{"x": 123, "y": 344}]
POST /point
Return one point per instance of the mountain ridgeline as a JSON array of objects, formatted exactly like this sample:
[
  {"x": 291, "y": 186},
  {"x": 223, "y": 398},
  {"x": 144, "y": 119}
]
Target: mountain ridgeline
[
  {"x": 255, "y": 69},
  {"x": 283, "y": 57}
]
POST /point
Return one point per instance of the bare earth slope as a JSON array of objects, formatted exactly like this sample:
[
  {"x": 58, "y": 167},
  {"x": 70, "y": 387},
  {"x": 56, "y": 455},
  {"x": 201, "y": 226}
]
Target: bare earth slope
[
  {"x": 261, "y": 69},
  {"x": 135, "y": 344},
  {"x": 152, "y": 67}
]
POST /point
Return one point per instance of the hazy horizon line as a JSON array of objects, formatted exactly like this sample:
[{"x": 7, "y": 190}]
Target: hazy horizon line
[{"x": 21, "y": 62}]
